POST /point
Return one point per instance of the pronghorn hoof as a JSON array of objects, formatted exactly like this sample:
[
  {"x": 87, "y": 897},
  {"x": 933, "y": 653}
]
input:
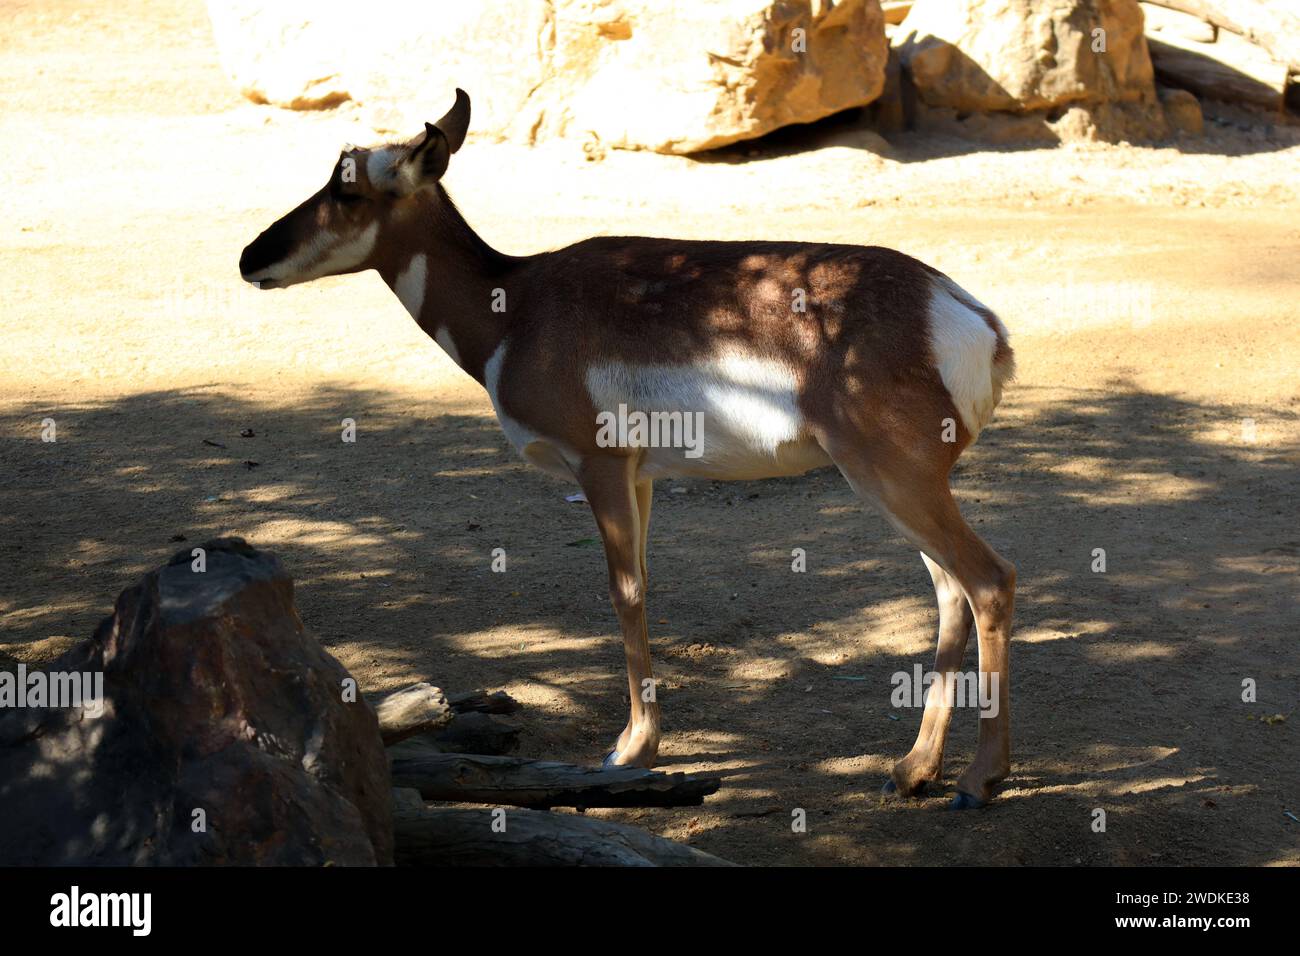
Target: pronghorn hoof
[
  {"x": 964, "y": 801},
  {"x": 890, "y": 789},
  {"x": 610, "y": 759}
]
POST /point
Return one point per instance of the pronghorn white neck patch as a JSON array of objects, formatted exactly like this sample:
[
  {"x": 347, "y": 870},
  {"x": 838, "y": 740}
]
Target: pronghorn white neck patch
[
  {"x": 443, "y": 338},
  {"x": 410, "y": 285}
]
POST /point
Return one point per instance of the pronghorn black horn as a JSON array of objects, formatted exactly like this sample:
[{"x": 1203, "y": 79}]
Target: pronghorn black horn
[{"x": 456, "y": 123}]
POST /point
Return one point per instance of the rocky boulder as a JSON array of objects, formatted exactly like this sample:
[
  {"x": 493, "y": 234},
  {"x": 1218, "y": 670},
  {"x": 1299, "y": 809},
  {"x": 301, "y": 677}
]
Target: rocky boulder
[
  {"x": 1080, "y": 65},
  {"x": 623, "y": 73},
  {"x": 222, "y": 733}
]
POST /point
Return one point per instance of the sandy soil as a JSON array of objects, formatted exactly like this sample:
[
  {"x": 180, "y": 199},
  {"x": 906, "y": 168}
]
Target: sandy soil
[{"x": 1152, "y": 296}]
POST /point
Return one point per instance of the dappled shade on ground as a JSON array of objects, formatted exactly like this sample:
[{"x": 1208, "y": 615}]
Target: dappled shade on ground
[{"x": 1127, "y": 684}]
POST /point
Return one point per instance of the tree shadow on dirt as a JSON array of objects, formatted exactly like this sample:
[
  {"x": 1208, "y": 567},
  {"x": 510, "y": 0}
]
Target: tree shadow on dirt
[{"x": 1127, "y": 683}]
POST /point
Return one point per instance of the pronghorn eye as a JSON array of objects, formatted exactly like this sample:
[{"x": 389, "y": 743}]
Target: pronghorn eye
[{"x": 342, "y": 197}]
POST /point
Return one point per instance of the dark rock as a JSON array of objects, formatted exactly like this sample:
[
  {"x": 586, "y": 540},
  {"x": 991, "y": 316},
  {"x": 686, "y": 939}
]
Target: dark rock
[{"x": 215, "y": 699}]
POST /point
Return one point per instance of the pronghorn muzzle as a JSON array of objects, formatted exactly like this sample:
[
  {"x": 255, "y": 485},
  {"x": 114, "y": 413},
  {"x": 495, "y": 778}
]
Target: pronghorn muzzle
[{"x": 260, "y": 256}]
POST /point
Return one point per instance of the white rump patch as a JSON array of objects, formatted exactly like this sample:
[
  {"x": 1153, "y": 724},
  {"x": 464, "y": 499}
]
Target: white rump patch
[
  {"x": 410, "y": 284},
  {"x": 963, "y": 347}
]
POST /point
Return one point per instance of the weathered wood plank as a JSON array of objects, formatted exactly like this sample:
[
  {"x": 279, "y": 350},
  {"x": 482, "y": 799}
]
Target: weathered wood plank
[
  {"x": 466, "y": 837},
  {"x": 1183, "y": 66},
  {"x": 516, "y": 781},
  {"x": 1268, "y": 25},
  {"x": 479, "y": 701},
  {"x": 410, "y": 711},
  {"x": 475, "y": 732}
]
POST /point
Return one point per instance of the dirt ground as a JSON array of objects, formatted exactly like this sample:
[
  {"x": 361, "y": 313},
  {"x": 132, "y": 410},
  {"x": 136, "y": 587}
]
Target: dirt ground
[{"x": 1152, "y": 298}]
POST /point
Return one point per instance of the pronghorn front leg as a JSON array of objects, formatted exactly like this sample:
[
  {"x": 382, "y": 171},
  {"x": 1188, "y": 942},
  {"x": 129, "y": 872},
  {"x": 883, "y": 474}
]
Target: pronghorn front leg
[{"x": 616, "y": 500}]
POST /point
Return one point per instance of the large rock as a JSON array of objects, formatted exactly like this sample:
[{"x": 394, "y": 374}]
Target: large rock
[
  {"x": 1030, "y": 58},
  {"x": 224, "y": 736},
  {"x": 628, "y": 73}
]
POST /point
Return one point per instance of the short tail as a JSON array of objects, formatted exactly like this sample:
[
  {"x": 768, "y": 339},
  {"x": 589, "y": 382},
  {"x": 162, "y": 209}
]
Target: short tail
[
  {"x": 1004, "y": 357},
  {"x": 972, "y": 351}
]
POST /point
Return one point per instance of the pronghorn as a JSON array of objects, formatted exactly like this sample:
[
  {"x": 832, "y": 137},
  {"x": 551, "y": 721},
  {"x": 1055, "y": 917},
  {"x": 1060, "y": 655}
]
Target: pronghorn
[{"x": 797, "y": 354}]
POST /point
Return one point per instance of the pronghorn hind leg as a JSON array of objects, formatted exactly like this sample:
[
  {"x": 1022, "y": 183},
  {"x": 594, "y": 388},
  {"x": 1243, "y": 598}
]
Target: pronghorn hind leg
[
  {"x": 615, "y": 499},
  {"x": 920, "y": 505},
  {"x": 924, "y": 764},
  {"x": 644, "y": 497}
]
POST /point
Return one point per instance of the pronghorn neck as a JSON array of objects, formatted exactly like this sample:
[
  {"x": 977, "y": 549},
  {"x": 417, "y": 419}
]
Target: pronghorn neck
[{"x": 446, "y": 276}]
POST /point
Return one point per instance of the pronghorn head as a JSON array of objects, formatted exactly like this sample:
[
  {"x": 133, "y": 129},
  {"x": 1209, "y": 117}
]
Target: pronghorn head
[{"x": 337, "y": 230}]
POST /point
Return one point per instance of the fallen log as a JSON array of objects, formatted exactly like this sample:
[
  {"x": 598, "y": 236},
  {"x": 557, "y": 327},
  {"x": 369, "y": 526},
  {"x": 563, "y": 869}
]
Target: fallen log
[
  {"x": 410, "y": 711},
  {"x": 460, "y": 837},
  {"x": 1277, "y": 31},
  {"x": 519, "y": 782},
  {"x": 1184, "y": 66},
  {"x": 407, "y": 798},
  {"x": 1165, "y": 22},
  {"x": 477, "y": 733},
  {"x": 481, "y": 702}
]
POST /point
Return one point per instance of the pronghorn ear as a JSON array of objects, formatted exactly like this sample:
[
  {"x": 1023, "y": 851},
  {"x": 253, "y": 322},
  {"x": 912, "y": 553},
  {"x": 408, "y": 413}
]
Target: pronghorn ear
[
  {"x": 433, "y": 154},
  {"x": 427, "y": 160},
  {"x": 456, "y": 123},
  {"x": 424, "y": 163}
]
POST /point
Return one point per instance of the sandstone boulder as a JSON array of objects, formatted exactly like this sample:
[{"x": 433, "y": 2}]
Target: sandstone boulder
[
  {"x": 633, "y": 74},
  {"x": 1183, "y": 111},
  {"x": 222, "y": 735},
  {"x": 1085, "y": 58}
]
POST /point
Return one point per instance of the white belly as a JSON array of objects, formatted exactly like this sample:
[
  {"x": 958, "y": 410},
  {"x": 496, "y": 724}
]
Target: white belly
[{"x": 730, "y": 416}]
